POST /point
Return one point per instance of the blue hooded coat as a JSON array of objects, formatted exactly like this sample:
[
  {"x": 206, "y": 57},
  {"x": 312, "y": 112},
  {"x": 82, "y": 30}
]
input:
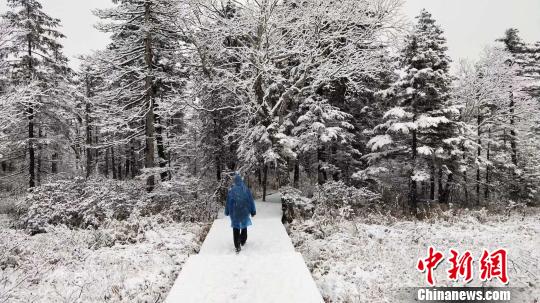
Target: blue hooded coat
[{"x": 240, "y": 204}]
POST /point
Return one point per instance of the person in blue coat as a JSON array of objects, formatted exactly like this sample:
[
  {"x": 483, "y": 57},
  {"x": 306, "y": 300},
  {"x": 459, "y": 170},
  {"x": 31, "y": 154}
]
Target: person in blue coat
[{"x": 240, "y": 205}]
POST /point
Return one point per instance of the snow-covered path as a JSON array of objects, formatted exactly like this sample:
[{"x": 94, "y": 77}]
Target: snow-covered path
[{"x": 267, "y": 270}]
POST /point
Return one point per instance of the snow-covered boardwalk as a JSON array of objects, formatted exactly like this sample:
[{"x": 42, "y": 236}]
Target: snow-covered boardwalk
[{"x": 267, "y": 270}]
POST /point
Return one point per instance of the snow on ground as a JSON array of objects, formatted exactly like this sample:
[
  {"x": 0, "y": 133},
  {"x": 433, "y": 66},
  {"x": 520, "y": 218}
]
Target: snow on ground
[
  {"x": 364, "y": 262},
  {"x": 4, "y": 221},
  {"x": 135, "y": 261},
  {"x": 266, "y": 270}
]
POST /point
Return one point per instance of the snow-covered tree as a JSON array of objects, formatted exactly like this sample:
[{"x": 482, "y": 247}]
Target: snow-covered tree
[
  {"x": 527, "y": 57},
  {"x": 6, "y": 31},
  {"x": 37, "y": 69},
  {"x": 279, "y": 54},
  {"x": 87, "y": 83},
  {"x": 215, "y": 85},
  {"x": 482, "y": 92},
  {"x": 497, "y": 116},
  {"x": 319, "y": 125},
  {"x": 143, "y": 77},
  {"x": 416, "y": 128}
]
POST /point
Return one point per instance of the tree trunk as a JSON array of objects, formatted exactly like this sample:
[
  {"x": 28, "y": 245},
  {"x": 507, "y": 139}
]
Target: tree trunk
[
  {"x": 321, "y": 173},
  {"x": 54, "y": 163},
  {"x": 446, "y": 192},
  {"x": 334, "y": 151},
  {"x": 127, "y": 165},
  {"x": 149, "y": 104},
  {"x": 488, "y": 156},
  {"x": 133, "y": 161},
  {"x": 162, "y": 155},
  {"x": 265, "y": 179},
  {"x": 170, "y": 167},
  {"x": 440, "y": 183},
  {"x": 31, "y": 152},
  {"x": 478, "y": 186},
  {"x": 119, "y": 172},
  {"x": 465, "y": 188},
  {"x": 218, "y": 168},
  {"x": 113, "y": 165},
  {"x": 232, "y": 159},
  {"x": 30, "y": 116},
  {"x": 413, "y": 200},
  {"x": 465, "y": 181},
  {"x": 138, "y": 160},
  {"x": 479, "y": 152},
  {"x": 432, "y": 182},
  {"x": 97, "y": 151},
  {"x": 513, "y": 143},
  {"x": 39, "y": 154},
  {"x": 296, "y": 180},
  {"x": 88, "y": 122},
  {"x": 106, "y": 168}
]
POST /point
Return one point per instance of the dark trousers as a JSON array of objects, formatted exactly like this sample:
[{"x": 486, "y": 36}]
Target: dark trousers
[{"x": 239, "y": 236}]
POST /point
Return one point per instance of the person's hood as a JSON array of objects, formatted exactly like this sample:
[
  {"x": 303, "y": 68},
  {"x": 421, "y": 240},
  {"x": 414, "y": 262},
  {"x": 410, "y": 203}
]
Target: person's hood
[{"x": 238, "y": 180}]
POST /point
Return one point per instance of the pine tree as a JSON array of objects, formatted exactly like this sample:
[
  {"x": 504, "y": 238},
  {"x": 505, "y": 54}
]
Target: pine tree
[
  {"x": 318, "y": 126},
  {"x": 415, "y": 130},
  {"x": 527, "y": 57},
  {"x": 142, "y": 76},
  {"x": 88, "y": 82},
  {"x": 515, "y": 46},
  {"x": 36, "y": 61}
]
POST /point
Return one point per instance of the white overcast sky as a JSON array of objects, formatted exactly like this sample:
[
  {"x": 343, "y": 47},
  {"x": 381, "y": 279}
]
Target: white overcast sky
[{"x": 469, "y": 25}]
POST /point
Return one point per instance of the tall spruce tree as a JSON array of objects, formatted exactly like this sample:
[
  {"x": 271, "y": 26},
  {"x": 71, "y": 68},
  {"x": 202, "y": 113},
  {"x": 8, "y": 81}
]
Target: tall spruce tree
[
  {"x": 36, "y": 62},
  {"x": 415, "y": 130},
  {"x": 527, "y": 57},
  {"x": 142, "y": 76}
]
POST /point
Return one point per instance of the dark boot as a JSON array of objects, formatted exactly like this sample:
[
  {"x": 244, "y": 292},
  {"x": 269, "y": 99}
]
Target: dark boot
[
  {"x": 243, "y": 237},
  {"x": 237, "y": 239}
]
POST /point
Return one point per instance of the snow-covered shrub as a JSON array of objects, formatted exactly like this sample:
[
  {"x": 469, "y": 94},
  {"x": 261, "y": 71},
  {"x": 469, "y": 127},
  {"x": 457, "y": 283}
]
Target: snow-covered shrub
[
  {"x": 340, "y": 200},
  {"x": 83, "y": 203},
  {"x": 331, "y": 200},
  {"x": 294, "y": 205},
  {"x": 185, "y": 199},
  {"x": 79, "y": 203},
  {"x": 372, "y": 258},
  {"x": 135, "y": 260}
]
